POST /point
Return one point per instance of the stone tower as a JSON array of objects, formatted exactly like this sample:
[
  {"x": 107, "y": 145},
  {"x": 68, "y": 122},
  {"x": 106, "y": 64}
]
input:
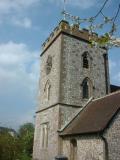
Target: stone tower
[{"x": 71, "y": 73}]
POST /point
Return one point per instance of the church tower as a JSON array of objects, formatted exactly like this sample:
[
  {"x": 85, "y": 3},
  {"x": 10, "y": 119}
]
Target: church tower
[{"x": 71, "y": 73}]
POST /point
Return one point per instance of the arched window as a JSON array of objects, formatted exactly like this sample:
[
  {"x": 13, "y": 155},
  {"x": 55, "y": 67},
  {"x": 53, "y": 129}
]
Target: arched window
[
  {"x": 86, "y": 88},
  {"x": 44, "y": 135},
  {"x": 47, "y": 90},
  {"x": 85, "y": 60}
]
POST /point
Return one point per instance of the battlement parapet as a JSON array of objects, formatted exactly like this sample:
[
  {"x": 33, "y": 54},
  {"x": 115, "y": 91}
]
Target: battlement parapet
[{"x": 72, "y": 30}]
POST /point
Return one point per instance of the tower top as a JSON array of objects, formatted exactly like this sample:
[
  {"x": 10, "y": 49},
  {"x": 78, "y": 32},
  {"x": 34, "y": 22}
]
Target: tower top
[{"x": 65, "y": 28}]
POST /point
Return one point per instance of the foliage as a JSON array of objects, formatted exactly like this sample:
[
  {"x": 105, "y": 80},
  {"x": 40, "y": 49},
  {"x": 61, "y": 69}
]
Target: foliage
[
  {"x": 100, "y": 41},
  {"x": 17, "y": 147},
  {"x": 106, "y": 40},
  {"x": 26, "y": 133},
  {"x": 9, "y": 148},
  {"x": 23, "y": 156}
]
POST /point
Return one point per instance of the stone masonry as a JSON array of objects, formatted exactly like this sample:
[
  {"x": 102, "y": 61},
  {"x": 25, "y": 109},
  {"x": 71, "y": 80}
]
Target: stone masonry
[
  {"x": 88, "y": 148},
  {"x": 66, "y": 46},
  {"x": 73, "y": 74},
  {"x": 112, "y": 136}
]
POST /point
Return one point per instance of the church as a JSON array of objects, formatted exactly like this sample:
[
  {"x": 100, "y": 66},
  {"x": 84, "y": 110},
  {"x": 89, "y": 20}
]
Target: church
[{"x": 78, "y": 115}]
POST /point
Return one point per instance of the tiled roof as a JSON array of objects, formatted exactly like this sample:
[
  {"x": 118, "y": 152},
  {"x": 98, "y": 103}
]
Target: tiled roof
[{"x": 95, "y": 116}]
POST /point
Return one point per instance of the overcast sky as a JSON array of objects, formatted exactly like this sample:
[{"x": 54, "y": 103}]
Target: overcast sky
[{"x": 24, "y": 25}]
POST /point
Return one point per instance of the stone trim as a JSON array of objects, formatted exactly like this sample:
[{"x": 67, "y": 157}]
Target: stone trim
[{"x": 69, "y": 105}]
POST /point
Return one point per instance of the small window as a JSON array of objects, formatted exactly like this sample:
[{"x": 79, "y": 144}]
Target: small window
[
  {"x": 44, "y": 135},
  {"x": 85, "y": 60},
  {"x": 87, "y": 88}
]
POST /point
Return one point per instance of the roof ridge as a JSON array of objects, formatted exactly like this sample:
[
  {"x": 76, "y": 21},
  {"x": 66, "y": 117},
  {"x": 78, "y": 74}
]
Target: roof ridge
[{"x": 108, "y": 95}]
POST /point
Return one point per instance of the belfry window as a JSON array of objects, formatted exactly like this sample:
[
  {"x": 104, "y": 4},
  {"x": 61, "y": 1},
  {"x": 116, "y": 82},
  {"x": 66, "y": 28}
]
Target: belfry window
[{"x": 85, "y": 60}]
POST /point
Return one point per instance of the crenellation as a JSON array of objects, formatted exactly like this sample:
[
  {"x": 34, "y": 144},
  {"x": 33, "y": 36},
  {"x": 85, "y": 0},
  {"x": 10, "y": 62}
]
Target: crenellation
[{"x": 73, "y": 30}]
